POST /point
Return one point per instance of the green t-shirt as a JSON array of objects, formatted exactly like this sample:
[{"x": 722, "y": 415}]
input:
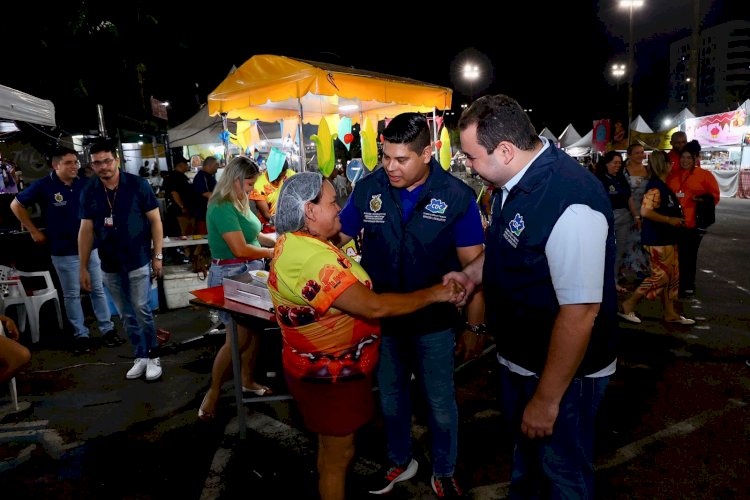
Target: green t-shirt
[{"x": 222, "y": 217}]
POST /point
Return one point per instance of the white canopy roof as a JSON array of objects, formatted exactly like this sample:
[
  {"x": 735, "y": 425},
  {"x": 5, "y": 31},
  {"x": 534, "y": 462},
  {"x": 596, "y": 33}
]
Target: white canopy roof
[
  {"x": 680, "y": 117},
  {"x": 583, "y": 142},
  {"x": 548, "y": 134},
  {"x": 569, "y": 136},
  {"x": 16, "y": 105},
  {"x": 640, "y": 125},
  {"x": 204, "y": 129}
]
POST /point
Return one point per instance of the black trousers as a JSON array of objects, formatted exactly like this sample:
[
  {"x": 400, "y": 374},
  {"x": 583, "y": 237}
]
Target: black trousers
[{"x": 687, "y": 247}]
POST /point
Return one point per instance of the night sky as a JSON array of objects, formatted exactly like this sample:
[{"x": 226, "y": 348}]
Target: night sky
[{"x": 553, "y": 59}]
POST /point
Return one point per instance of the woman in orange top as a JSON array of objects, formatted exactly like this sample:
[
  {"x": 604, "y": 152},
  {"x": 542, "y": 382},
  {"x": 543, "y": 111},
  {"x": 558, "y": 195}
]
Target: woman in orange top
[
  {"x": 328, "y": 316},
  {"x": 689, "y": 183}
]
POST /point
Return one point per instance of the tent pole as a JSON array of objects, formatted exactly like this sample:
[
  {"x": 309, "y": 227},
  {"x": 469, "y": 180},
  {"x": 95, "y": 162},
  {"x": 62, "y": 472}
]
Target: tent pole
[
  {"x": 434, "y": 133},
  {"x": 225, "y": 137},
  {"x": 302, "y": 137}
]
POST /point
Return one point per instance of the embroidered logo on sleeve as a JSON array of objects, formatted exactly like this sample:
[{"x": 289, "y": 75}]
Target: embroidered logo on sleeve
[{"x": 514, "y": 230}]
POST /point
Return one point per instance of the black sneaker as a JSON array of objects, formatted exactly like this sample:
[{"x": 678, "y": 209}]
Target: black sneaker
[
  {"x": 395, "y": 474},
  {"x": 446, "y": 487},
  {"x": 111, "y": 339},
  {"x": 81, "y": 345}
]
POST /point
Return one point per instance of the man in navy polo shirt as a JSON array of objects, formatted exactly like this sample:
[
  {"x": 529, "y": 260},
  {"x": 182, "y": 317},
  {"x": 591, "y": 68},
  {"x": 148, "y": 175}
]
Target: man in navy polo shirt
[
  {"x": 548, "y": 278},
  {"x": 122, "y": 211},
  {"x": 419, "y": 223},
  {"x": 59, "y": 196}
]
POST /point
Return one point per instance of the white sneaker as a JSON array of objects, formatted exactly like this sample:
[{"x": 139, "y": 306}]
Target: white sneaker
[
  {"x": 139, "y": 366},
  {"x": 153, "y": 369}
]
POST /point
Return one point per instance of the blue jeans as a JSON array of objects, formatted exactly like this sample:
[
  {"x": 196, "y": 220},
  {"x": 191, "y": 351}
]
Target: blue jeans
[
  {"x": 430, "y": 358},
  {"x": 216, "y": 274},
  {"x": 68, "y": 269},
  {"x": 131, "y": 293},
  {"x": 560, "y": 465}
]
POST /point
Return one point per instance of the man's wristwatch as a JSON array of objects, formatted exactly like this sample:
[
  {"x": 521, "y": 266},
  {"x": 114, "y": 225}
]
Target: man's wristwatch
[
  {"x": 479, "y": 329},
  {"x": 158, "y": 256}
]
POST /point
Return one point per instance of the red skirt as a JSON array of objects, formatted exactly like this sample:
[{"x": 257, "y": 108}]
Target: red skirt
[{"x": 336, "y": 409}]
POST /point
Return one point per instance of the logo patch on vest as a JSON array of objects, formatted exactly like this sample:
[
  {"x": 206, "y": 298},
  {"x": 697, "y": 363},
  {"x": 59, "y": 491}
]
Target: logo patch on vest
[
  {"x": 436, "y": 206},
  {"x": 514, "y": 230},
  {"x": 376, "y": 203},
  {"x": 435, "y": 210}
]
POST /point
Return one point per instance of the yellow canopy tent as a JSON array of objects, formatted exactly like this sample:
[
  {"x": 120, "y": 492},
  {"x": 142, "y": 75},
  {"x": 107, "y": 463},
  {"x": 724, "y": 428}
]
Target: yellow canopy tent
[{"x": 273, "y": 88}]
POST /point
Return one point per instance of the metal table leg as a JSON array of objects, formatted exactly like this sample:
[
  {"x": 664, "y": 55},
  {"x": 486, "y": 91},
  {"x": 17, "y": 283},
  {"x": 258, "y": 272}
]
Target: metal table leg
[{"x": 237, "y": 371}]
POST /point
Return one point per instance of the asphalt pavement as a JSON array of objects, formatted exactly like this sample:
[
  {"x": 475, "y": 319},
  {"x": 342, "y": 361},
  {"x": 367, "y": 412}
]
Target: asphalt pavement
[{"x": 674, "y": 422}]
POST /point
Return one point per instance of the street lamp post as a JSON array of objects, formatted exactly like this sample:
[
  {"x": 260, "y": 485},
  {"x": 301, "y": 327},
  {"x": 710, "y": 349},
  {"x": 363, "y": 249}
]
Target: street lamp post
[
  {"x": 471, "y": 74},
  {"x": 630, "y": 5}
]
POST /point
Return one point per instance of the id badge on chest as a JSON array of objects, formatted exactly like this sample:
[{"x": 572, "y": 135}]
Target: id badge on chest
[
  {"x": 109, "y": 221},
  {"x": 680, "y": 194}
]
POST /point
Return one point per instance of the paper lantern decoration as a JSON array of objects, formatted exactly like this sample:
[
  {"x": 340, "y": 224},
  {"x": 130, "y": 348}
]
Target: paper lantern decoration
[
  {"x": 345, "y": 130},
  {"x": 367, "y": 137},
  {"x": 324, "y": 146},
  {"x": 445, "y": 149}
]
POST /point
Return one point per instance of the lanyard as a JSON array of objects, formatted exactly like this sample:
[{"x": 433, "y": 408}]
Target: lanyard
[{"x": 111, "y": 203}]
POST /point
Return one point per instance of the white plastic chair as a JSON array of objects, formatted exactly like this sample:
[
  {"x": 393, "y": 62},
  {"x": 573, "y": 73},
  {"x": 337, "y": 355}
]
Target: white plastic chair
[{"x": 32, "y": 304}]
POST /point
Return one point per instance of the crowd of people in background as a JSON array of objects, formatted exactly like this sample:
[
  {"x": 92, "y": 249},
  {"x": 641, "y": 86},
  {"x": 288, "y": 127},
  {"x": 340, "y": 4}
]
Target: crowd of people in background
[{"x": 431, "y": 258}]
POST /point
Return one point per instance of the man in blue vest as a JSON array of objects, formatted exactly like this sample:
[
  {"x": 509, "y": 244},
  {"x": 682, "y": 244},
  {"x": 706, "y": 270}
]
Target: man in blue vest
[
  {"x": 59, "y": 196},
  {"x": 120, "y": 209},
  {"x": 547, "y": 276},
  {"x": 418, "y": 223}
]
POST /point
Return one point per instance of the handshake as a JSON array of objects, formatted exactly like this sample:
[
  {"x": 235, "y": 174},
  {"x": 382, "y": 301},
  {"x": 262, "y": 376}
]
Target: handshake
[{"x": 450, "y": 291}]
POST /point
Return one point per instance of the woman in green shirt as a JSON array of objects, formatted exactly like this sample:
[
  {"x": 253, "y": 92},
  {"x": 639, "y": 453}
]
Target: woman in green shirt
[{"x": 233, "y": 238}]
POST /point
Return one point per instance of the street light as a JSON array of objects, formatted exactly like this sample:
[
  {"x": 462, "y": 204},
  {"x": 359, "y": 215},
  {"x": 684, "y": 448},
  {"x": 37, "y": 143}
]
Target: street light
[
  {"x": 630, "y": 5},
  {"x": 618, "y": 71},
  {"x": 471, "y": 73}
]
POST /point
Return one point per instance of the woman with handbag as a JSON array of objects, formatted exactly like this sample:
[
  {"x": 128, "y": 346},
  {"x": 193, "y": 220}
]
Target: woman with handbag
[
  {"x": 691, "y": 184},
  {"x": 662, "y": 220}
]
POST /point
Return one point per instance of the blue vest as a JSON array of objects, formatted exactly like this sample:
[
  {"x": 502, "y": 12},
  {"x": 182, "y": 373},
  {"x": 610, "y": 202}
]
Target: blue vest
[
  {"x": 416, "y": 253},
  {"x": 659, "y": 233},
  {"x": 521, "y": 301}
]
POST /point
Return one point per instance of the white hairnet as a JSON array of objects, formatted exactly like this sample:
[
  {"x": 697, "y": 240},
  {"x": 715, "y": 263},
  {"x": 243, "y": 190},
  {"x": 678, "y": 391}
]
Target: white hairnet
[{"x": 295, "y": 192}]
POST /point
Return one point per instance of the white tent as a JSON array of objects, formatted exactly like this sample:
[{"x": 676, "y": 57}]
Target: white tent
[
  {"x": 640, "y": 125},
  {"x": 203, "y": 129},
  {"x": 582, "y": 147},
  {"x": 16, "y": 105},
  {"x": 569, "y": 136},
  {"x": 547, "y": 133},
  {"x": 683, "y": 115}
]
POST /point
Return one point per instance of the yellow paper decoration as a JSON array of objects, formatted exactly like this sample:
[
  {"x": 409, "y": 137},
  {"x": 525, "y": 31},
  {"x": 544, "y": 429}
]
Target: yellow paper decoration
[
  {"x": 324, "y": 145},
  {"x": 445, "y": 149},
  {"x": 368, "y": 138}
]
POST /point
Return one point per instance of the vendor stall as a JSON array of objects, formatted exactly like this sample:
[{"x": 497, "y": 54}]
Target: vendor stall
[{"x": 274, "y": 88}]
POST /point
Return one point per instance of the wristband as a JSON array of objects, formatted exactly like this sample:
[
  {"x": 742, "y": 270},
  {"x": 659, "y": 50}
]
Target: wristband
[{"x": 479, "y": 329}]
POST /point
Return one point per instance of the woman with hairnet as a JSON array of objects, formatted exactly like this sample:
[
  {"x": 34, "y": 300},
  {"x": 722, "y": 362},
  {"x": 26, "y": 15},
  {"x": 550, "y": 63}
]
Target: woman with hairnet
[
  {"x": 328, "y": 316},
  {"x": 234, "y": 240}
]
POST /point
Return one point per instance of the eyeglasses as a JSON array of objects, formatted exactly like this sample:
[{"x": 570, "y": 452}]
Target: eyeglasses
[
  {"x": 71, "y": 162},
  {"x": 99, "y": 163}
]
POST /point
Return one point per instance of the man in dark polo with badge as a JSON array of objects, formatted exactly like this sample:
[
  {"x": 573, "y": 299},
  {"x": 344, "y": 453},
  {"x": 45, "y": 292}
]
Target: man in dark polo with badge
[
  {"x": 418, "y": 223},
  {"x": 58, "y": 194},
  {"x": 120, "y": 209}
]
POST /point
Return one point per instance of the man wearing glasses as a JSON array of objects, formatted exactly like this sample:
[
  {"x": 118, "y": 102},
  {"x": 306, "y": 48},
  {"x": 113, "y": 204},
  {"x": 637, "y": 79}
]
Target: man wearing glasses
[
  {"x": 120, "y": 209},
  {"x": 59, "y": 196}
]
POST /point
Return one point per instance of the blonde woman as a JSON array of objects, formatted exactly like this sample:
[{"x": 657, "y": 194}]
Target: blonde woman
[{"x": 233, "y": 238}]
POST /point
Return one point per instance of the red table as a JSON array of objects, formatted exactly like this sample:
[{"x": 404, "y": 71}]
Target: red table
[{"x": 213, "y": 298}]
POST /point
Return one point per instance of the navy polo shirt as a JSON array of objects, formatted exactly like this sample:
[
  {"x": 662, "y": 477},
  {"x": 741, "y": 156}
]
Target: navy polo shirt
[
  {"x": 60, "y": 205},
  {"x": 126, "y": 245}
]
